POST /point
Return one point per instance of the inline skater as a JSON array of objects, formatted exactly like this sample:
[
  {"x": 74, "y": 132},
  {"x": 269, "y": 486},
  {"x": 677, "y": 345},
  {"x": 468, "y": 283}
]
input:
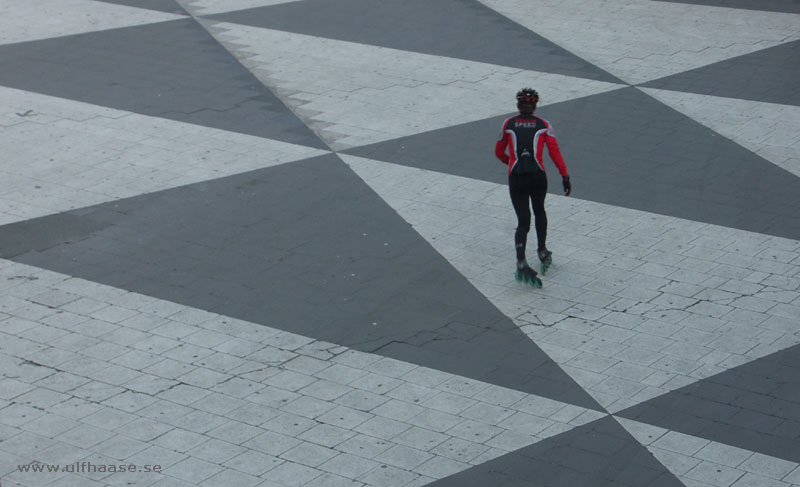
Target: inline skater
[{"x": 521, "y": 146}]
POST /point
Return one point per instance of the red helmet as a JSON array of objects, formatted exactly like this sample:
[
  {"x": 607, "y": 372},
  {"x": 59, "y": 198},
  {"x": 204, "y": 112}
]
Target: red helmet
[{"x": 527, "y": 95}]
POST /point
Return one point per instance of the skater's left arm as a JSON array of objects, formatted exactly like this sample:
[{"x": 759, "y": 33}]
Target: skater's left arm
[
  {"x": 554, "y": 151},
  {"x": 558, "y": 159}
]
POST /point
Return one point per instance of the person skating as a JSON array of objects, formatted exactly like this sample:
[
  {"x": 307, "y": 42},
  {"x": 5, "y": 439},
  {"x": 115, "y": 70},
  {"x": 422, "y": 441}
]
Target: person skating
[{"x": 521, "y": 146}]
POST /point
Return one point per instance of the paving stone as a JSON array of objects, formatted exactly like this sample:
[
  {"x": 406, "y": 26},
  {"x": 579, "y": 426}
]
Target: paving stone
[
  {"x": 309, "y": 454},
  {"x": 345, "y": 417},
  {"x": 241, "y": 388},
  {"x": 364, "y": 446},
  {"x": 723, "y": 455},
  {"x": 425, "y": 377},
  {"x": 678, "y": 463},
  {"x": 216, "y": 451},
  {"x": 341, "y": 374},
  {"x": 179, "y": 440},
  {"x": 12, "y": 388},
  {"x": 238, "y": 347},
  {"x": 439, "y": 467},
  {"x": 217, "y": 403},
  {"x": 204, "y": 378},
  {"x": 75, "y": 408},
  {"x": 289, "y": 424},
  {"x": 449, "y": 403},
  {"x": 520, "y": 422},
  {"x": 327, "y": 479},
  {"x": 714, "y": 474},
  {"x": 388, "y": 475},
  {"x": 183, "y": 394},
  {"x": 403, "y": 457},
  {"x": 120, "y": 447},
  {"x": 289, "y": 380},
  {"x": 271, "y": 443},
  {"x": 253, "y": 462},
  {"x": 193, "y": 470},
  {"x": 474, "y": 431},
  {"x": 109, "y": 418},
  {"x": 793, "y": 477},
  {"x": 85, "y": 437},
  {"x": 253, "y": 414},
  {"x": 349, "y": 466},
  {"x": 361, "y": 400},
  {"x": 231, "y": 477},
  {"x": 767, "y": 466},
  {"x": 420, "y": 438},
  {"x": 680, "y": 443},
  {"x": 144, "y": 429},
  {"x": 149, "y": 384},
  {"x": 235, "y": 432},
  {"x": 308, "y": 407},
  {"x": 306, "y": 365},
  {"x": 292, "y": 474},
  {"x": 459, "y": 450}
]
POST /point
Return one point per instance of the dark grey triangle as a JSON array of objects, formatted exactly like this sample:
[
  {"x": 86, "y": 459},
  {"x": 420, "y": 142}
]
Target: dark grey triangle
[
  {"x": 306, "y": 247},
  {"x": 627, "y": 149},
  {"x": 461, "y": 150},
  {"x": 598, "y": 454},
  {"x": 755, "y": 406},
  {"x": 170, "y": 6},
  {"x": 787, "y": 6},
  {"x": 463, "y": 29},
  {"x": 771, "y": 75},
  {"x": 173, "y": 70}
]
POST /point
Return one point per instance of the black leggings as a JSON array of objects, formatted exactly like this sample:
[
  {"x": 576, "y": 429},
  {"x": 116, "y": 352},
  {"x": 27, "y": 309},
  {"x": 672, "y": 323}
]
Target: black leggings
[{"x": 522, "y": 187}]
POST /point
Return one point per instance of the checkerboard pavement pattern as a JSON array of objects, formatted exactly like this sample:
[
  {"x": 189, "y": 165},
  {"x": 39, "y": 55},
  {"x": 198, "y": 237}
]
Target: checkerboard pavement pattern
[{"x": 266, "y": 243}]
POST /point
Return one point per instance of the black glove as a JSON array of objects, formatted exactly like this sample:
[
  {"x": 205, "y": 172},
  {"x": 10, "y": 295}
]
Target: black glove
[{"x": 567, "y": 185}]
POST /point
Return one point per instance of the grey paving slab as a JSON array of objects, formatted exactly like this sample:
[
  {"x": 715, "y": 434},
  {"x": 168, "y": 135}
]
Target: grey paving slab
[
  {"x": 753, "y": 406},
  {"x": 154, "y": 69},
  {"x": 463, "y": 29},
  {"x": 629, "y": 150},
  {"x": 770, "y": 75},
  {"x": 170, "y": 6},
  {"x": 343, "y": 270},
  {"x": 600, "y": 453},
  {"x": 787, "y": 6}
]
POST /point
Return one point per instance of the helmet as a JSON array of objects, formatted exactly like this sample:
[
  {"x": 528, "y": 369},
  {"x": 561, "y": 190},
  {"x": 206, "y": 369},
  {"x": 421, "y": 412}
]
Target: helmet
[{"x": 527, "y": 95}]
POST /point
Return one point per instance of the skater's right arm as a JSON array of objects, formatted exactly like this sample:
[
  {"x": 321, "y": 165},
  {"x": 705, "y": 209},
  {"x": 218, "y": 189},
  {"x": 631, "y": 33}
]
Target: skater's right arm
[
  {"x": 500, "y": 150},
  {"x": 501, "y": 145}
]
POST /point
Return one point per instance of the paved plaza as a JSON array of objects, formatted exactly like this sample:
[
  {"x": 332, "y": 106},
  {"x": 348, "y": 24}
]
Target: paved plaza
[{"x": 266, "y": 243}]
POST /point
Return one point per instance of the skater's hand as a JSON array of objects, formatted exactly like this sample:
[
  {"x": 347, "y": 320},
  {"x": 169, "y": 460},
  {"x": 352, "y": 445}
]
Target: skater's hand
[{"x": 567, "y": 185}]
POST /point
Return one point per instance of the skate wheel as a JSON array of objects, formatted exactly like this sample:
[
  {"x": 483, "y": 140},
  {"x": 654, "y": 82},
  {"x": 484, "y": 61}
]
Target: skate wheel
[{"x": 546, "y": 265}]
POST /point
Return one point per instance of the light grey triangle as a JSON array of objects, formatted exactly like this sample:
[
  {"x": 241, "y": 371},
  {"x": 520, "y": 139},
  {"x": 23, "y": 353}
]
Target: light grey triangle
[
  {"x": 395, "y": 93},
  {"x": 639, "y": 41},
  {"x": 698, "y": 461},
  {"x": 621, "y": 310},
  {"x": 210, "y": 7},
  {"x": 77, "y": 154},
  {"x": 229, "y": 376},
  {"x": 44, "y": 19}
]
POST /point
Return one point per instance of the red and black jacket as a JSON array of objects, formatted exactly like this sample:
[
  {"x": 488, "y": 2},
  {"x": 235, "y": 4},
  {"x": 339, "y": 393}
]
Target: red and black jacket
[{"x": 524, "y": 137}]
